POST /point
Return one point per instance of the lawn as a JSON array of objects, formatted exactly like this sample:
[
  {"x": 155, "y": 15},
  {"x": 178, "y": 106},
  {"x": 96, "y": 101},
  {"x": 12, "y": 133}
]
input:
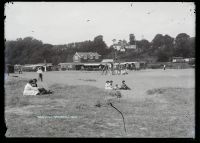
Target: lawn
[{"x": 71, "y": 110}]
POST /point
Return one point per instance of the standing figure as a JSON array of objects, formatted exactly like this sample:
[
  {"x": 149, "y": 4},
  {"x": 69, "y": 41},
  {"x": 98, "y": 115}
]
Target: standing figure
[
  {"x": 40, "y": 74},
  {"x": 20, "y": 71},
  {"x": 164, "y": 67},
  {"x": 105, "y": 69},
  {"x": 112, "y": 68},
  {"x": 118, "y": 69}
]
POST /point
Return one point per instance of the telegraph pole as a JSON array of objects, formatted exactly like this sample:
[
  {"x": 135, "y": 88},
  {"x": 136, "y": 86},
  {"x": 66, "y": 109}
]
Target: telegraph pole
[
  {"x": 114, "y": 40},
  {"x": 114, "y": 59}
]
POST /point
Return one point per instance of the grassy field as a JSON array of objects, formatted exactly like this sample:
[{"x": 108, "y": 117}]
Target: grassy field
[{"x": 160, "y": 104}]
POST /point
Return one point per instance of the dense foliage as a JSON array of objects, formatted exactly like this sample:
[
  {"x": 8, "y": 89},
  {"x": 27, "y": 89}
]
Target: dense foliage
[{"x": 161, "y": 48}]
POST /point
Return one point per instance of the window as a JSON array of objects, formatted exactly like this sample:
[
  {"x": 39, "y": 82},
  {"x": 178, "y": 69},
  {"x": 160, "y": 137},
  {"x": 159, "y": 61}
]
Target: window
[{"x": 96, "y": 57}]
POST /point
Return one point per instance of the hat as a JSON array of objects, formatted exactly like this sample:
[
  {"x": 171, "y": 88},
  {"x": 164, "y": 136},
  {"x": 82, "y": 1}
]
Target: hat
[
  {"x": 111, "y": 81},
  {"x": 123, "y": 80}
]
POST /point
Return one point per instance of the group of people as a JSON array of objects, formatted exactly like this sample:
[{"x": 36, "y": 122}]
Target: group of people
[
  {"x": 31, "y": 88},
  {"x": 109, "y": 85},
  {"x": 118, "y": 69}
]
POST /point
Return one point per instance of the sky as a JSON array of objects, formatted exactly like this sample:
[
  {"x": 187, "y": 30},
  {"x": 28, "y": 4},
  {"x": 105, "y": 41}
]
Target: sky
[{"x": 66, "y": 22}]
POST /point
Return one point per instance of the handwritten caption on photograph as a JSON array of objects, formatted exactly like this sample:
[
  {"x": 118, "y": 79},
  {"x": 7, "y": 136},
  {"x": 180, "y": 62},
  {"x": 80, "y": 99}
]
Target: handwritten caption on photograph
[{"x": 56, "y": 117}]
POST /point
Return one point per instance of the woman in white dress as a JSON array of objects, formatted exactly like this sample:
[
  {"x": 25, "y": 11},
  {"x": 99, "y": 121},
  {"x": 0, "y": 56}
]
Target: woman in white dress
[{"x": 30, "y": 90}]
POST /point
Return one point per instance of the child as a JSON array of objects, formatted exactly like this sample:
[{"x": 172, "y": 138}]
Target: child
[{"x": 116, "y": 87}]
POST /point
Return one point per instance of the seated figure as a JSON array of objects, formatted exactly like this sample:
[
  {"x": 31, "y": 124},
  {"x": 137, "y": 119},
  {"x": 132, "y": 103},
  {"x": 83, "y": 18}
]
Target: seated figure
[
  {"x": 108, "y": 85},
  {"x": 116, "y": 87},
  {"x": 42, "y": 90},
  {"x": 124, "y": 86},
  {"x": 30, "y": 90},
  {"x": 34, "y": 84}
]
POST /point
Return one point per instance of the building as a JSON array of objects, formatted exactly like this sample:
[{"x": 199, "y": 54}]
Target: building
[
  {"x": 46, "y": 66},
  {"x": 66, "y": 66},
  {"x": 130, "y": 47},
  {"x": 86, "y": 57},
  {"x": 178, "y": 60},
  {"x": 107, "y": 61},
  {"x": 189, "y": 60},
  {"x": 119, "y": 47},
  {"x": 122, "y": 48},
  {"x": 17, "y": 67},
  {"x": 34, "y": 67}
]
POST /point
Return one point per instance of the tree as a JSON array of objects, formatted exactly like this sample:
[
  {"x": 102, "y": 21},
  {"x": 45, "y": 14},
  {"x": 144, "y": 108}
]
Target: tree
[
  {"x": 99, "y": 45},
  {"x": 162, "y": 47},
  {"x": 158, "y": 41},
  {"x": 192, "y": 47},
  {"x": 182, "y": 45},
  {"x": 143, "y": 45}
]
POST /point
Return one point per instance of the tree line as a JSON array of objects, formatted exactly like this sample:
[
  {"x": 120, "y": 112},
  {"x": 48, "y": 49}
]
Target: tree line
[{"x": 162, "y": 48}]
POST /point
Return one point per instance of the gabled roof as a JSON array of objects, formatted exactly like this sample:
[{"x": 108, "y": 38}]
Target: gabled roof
[{"x": 82, "y": 54}]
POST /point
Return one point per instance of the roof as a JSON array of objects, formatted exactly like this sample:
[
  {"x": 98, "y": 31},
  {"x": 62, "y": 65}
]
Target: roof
[
  {"x": 70, "y": 64},
  {"x": 82, "y": 54},
  {"x": 92, "y": 64},
  {"x": 36, "y": 65},
  {"x": 177, "y": 57},
  {"x": 48, "y": 64},
  {"x": 107, "y": 61}
]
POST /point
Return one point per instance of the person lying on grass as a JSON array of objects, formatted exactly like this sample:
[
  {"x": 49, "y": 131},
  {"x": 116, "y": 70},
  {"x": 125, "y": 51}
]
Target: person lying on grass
[
  {"x": 31, "y": 89},
  {"x": 41, "y": 90},
  {"x": 124, "y": 86}
]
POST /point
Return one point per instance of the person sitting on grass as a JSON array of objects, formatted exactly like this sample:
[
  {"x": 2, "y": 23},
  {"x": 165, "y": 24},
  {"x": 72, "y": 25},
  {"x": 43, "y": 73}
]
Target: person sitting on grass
[
  {"x": 116, "y": 87},
  {"x": 124, "y": 86},
  {"x": 108, "y": 85},
  {"x": 111, "y": 84},
  {"x": 34, "y": 84},
  {"x": 41, "y": 90},
  {"x": 30, "y": 90}
]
